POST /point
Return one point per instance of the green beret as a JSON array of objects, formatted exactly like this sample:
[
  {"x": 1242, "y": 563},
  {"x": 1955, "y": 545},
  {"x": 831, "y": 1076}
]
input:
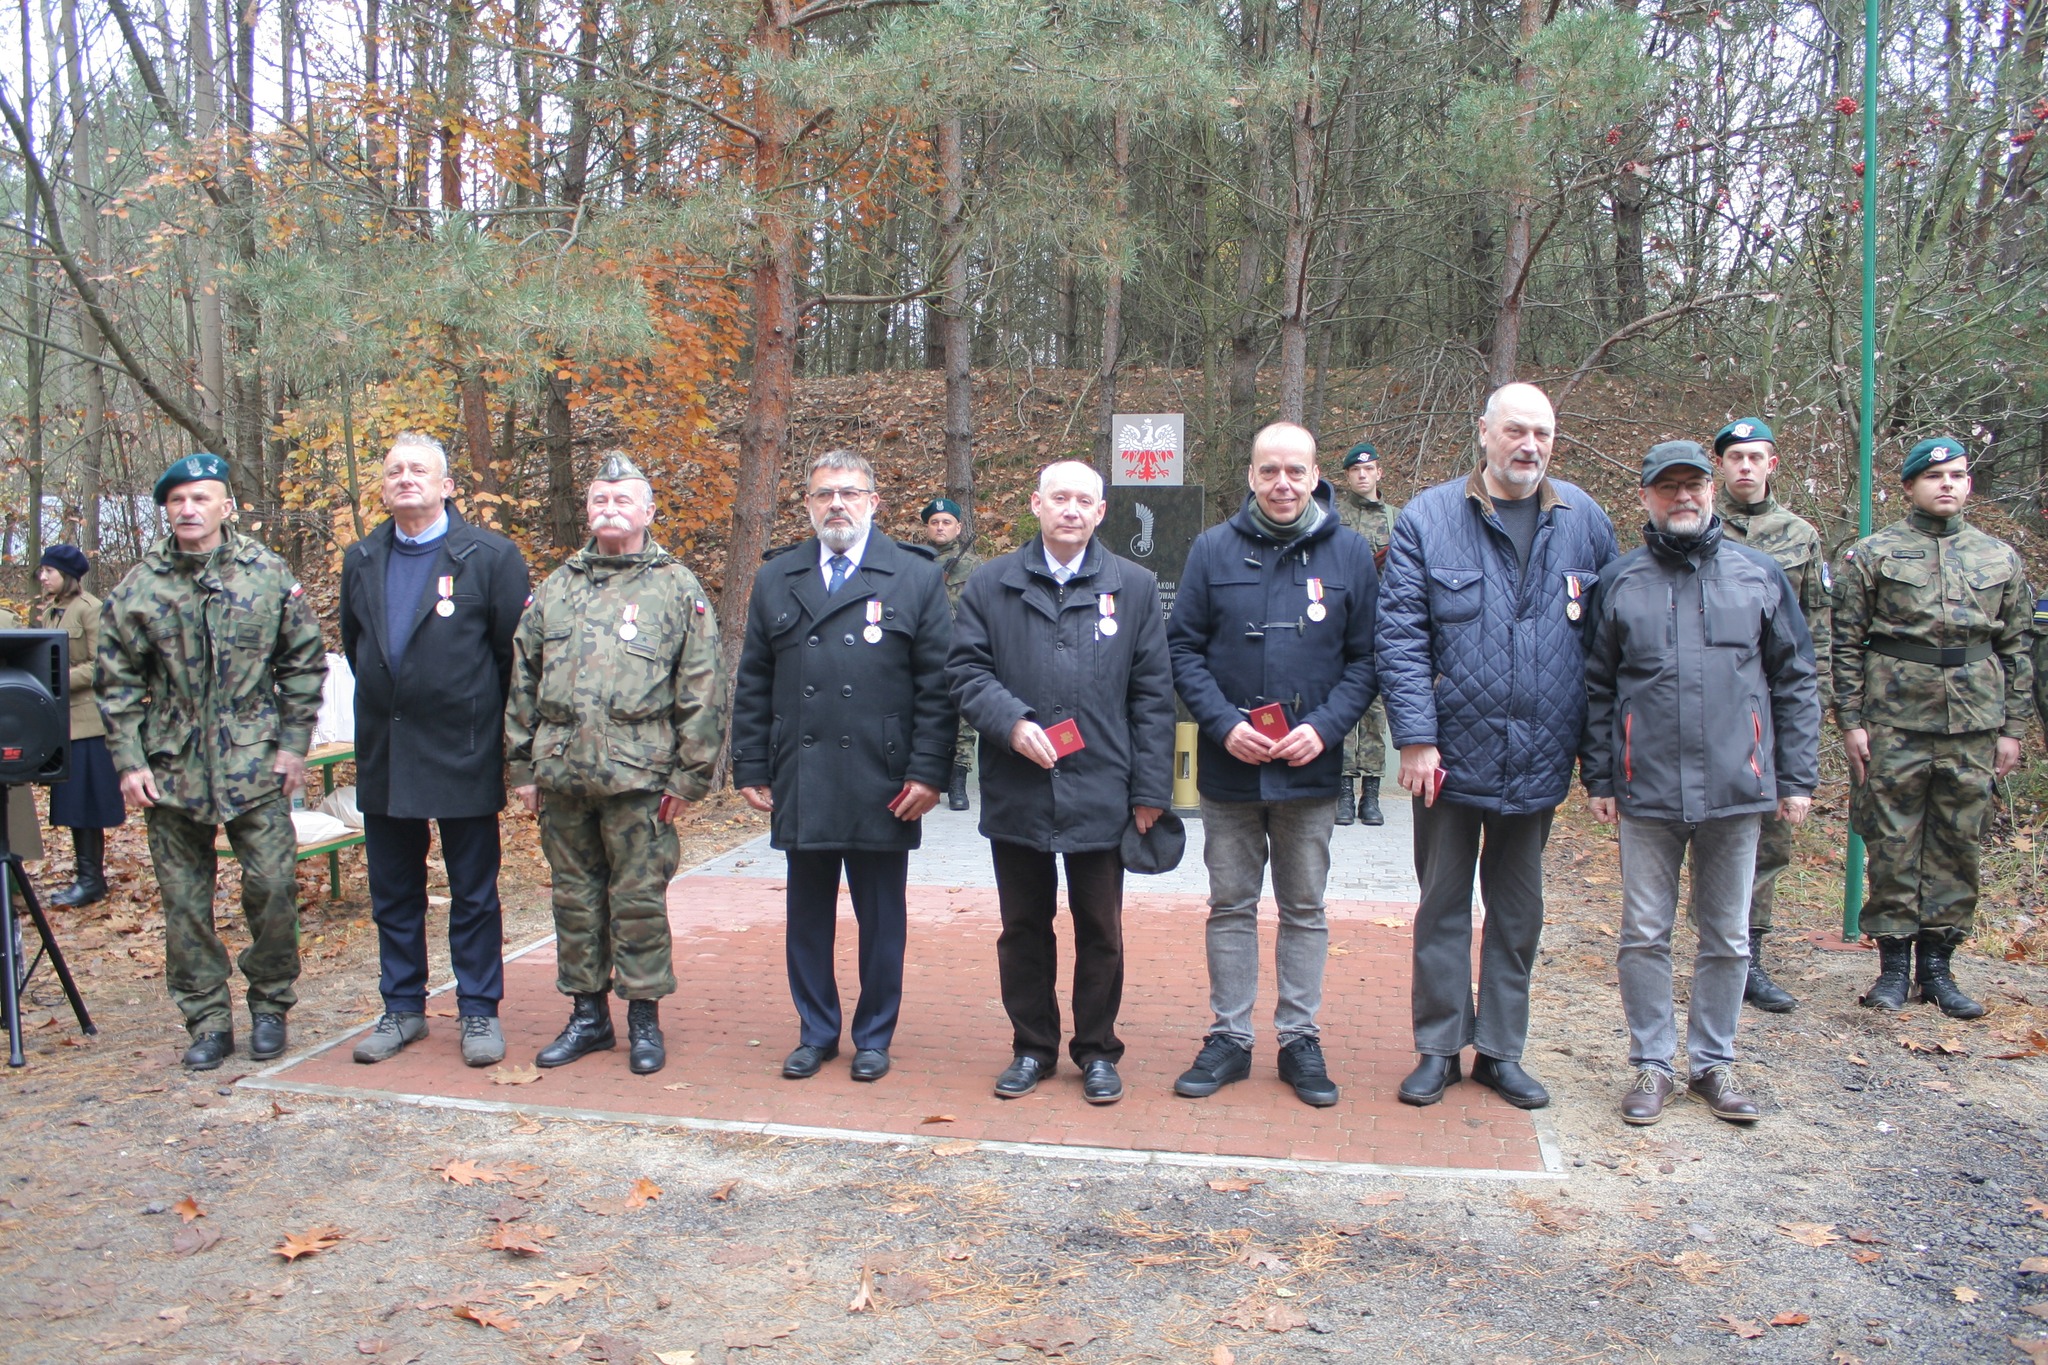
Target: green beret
[
  {"x": 1932, "y": 451},
  {"x": 191, "y": 469},
  {"x": 1361, "y": 453},
  {"x": 1742, "y": 429},
  {"x": 938, "y": 505}
]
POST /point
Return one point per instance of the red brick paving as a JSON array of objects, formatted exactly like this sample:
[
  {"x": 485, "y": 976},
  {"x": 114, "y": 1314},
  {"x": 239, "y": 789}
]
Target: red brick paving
[{"x": 731, "y": 1023}]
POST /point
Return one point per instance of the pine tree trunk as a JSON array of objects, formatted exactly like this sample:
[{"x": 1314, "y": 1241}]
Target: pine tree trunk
[
  {"x": 1514, "y": 263},
  {"x": 955, "y": 326},
  {"x": 1113, "y": 297},
  {"x": 563, "y": 530},
  {"x": 86, "y": 235},
  {"x": 1305, "y": 120}
]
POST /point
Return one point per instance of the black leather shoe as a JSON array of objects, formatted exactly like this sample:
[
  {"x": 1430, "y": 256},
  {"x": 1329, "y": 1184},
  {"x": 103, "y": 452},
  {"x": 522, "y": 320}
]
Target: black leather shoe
[
  {"x": 1220, "y": 1062},
  {"x": 1099, "y": 1082},
  {"x": 209, "y": 1050},
  {"x": 805, "y": 1061},
  {"x": 589, "y": 1030},
  {"x": 870, "y": 1064},
  {"x": 1432, "y": 1075},
  {"x": 266, "y": 1036},
  {"x": 644, "y": 1051},
  {"x": 1509, "y": 1081},
  {"x": 1301, "y": 1066},
  {"x": 1369, "y": 802},
  {"x": 1021, "y": 1077}
]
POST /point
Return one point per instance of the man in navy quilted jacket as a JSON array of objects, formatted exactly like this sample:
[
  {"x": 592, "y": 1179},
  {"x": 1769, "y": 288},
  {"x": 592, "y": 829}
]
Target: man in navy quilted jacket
[{"x": 1481, "y": 655}]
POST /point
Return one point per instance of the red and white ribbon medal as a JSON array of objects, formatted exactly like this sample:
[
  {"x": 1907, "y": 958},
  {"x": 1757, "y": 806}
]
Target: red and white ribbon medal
[
  {"x": 873, "y": 634},
  {"x": 1316, "y": 610},
  {"x": 627, "y": 617},
  {"x": 446, "y": 587},
  {"x": 1106, "y": 604},
  {"x": 1572, "y": 610}
]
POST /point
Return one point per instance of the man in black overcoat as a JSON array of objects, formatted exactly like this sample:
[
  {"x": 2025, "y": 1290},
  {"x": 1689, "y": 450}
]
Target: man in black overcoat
[
  {"x": 841, "y": 727},
  {"x": 428, "y": 607}
]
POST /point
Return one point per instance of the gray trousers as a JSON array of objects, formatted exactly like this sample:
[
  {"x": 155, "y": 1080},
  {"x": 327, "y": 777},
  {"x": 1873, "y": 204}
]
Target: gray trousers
[
  {"x": 1507, "y": 850},
  {"x": 1723, "y": 861},
  {"x": 1238, "y": 839}
]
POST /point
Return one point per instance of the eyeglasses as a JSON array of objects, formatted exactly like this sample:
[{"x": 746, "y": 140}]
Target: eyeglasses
[{"x": 825, "y": 497}]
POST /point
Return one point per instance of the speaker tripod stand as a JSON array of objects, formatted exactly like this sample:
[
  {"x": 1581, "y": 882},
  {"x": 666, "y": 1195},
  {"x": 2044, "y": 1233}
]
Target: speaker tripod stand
[{"x": 13, "y": 878}]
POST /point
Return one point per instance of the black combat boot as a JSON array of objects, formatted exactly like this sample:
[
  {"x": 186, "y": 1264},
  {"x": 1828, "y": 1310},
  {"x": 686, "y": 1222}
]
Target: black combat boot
[
  {"x": 1894, "y": 968},
  {"x": 1347, "y": 803},
  {"x": 589, "y": 1030},
  {"x": 956, "y": 790},
  {"x": 1936, "y": 945},
  {"x": 644, "y": 1051},
  {"x": 1369, "y": 801},
  {"x": 1760, "y": 990},
  {"x": 89, "y": 882}
]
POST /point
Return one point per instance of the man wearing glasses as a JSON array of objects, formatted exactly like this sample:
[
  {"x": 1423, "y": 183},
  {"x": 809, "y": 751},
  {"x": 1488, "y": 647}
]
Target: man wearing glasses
[{"x": 843, "y": 731}]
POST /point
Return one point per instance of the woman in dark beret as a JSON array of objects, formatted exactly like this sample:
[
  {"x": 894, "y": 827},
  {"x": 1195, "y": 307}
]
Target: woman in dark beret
[{"x": 89, "y": 803}]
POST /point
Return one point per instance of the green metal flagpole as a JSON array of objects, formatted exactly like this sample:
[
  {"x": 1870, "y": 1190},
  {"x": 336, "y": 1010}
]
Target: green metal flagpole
[{"x": 1852, "y": 888}]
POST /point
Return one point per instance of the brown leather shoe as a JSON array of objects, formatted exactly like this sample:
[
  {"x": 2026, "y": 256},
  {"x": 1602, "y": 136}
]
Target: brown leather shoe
[
  {"x": 1723, "y": 1095},
  {"x": 1643, "y": 1105}
]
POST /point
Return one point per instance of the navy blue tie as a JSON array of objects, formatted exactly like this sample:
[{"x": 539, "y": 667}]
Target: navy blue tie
[{"x": 841, "y": 566}]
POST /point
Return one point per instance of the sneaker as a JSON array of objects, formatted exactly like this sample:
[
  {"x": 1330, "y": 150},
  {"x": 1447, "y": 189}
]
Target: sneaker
[
  {"x": 1301, "y": 1066},
  {"x": 390, "y": 1036},
  {"x": 483, "y": 1040},
  {"x": 1220, "y": 1062}
]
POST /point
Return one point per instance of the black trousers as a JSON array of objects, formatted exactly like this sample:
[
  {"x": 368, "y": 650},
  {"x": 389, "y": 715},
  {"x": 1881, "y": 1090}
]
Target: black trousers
[
  {"x": 1507, "y": 850},
  {"x": 1027, "y": 951},
  {"x": 878, "y": 883},
  {"x": 396, "y": 852}
]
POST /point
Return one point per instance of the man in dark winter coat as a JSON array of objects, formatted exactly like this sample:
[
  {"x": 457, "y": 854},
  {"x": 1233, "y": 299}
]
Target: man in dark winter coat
[
  {"x": 1482, "y": 661},
  {"x": 1272, "y": 640},
  {"x": 1059, "y": 661},
  {"x": 429, "y": 605},
  {"x": 843, "y": 730},
  {"x": 1702, "y": 717}
]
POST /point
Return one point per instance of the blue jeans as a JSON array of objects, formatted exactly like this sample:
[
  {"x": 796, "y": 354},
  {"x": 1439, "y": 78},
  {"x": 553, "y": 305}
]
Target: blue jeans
[
  {"x": 1723, "y": 862},
  {"x": 1239, "y": 838}
]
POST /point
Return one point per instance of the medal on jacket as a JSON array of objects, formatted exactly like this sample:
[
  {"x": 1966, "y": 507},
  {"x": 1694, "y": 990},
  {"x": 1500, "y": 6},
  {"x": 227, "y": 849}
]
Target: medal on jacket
[
  {"x": 1106, "y": 604},
  {"x": 446, "y": 587},
  {"x": 1572, "y": 609},
  {"x": 1316, "y": 610},
  {"x": 873, "y": 634},
  {"x": 628, "y": 616}
]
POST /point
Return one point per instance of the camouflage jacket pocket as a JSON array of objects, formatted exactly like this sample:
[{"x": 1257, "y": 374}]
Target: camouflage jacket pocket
[
  {"x": 556, "y": 697},
  {"x": 652, "y": 759},
  {"x": 641, "y": 673}
]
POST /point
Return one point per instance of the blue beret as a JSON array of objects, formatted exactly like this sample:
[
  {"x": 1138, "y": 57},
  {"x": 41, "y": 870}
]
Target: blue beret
[
  {"x": 1742, "y": 429},
  {"x": 1360, "y": 453},
  {"x": 1932, "y": 451},
  {"x": 67, "y": 559},
  {"x": 938, "y": 505},
  {"x": 191, "y": 469}
]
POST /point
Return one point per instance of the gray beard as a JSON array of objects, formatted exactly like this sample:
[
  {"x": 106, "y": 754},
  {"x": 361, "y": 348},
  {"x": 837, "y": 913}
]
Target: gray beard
[{"x": 839, "y": 539}]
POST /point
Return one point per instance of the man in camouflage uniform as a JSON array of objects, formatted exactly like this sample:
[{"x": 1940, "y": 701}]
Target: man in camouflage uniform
[
  {"x": 210, "y": 666},
  {"x": 1365, "y": 748},
  {"x": 1745, "y": 457},
  {"x": 1931, "y": 677},
  {"x": 942, "y": 522},
  {"x": 616, "y": 714}
]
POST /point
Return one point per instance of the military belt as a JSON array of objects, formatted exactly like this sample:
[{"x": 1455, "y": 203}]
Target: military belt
[{"x": 1913, "y": 652}]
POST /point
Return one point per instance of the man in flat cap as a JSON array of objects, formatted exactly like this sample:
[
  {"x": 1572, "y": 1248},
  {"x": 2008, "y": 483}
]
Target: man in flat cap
[
  {"x": 1932, "y": 626},
  {"x": 616, "y": 713},
  {"x": 210, "y": 666},
  {"x": 944, "y": 525},
  {"x": 1360, "y": 507},
  {"x": 1746, "y": 458}
]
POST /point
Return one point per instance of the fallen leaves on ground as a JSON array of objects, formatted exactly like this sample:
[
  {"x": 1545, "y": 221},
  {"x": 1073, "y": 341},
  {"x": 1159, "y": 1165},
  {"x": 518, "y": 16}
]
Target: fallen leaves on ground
[
  {"x": 539, "y": 1293},
  {"x": 1045, "y": 1334},
  {"x": 1222, "y": 1355},
  {"x": 1866, "y": 1257},
  {"x": 1695, "y": 1266},
  {"x": 1742, "y": 1327},
  {"x": 313, "y": 1240},
  {"x": 1790, "y": 1320},
  {"x": 188, "y": 1209},
  {"x": 1235, "y": 1184},
  {"x": 1810, "y": 1234},
  {"x": 1282, "y": 1317},
  {"x": 864, "y": 1295},
  {"x": 676, "y": 1357},
  {"x": 192, "y": 1241},
  {"x": 2035, "y": 1044},
  {"x": 936, "y": 1118},
  {"x": 955, "y": 1147},
  {"x": 1259, "y": 1258},
  {"x": 2034, "y": 1348},
  {"x": 723, "y": 1194},
  {"x": 1382, "y": 1197},
  {"x": 527, "y": 1126},
  {"x": 1866, "y": 1237},
  {"x": 1554, "y": 1217},
  {"x": 642, "y": 1193},
  {"x": 1965, "y": 1294},
  {"x": 2034, "y": 1265},
  {"x": 484, "y": 1316},
  {"x": 2037, "y": 1207},
  {"x": 740, "y": 1254},
  {"x": 514, "y": 1075},
  {"x": 566, "y": 1349},
  {"x": 753, "y": 1338},
  {"x": 520, "y": 1241},
  {"x": 463, "y": 1171}
]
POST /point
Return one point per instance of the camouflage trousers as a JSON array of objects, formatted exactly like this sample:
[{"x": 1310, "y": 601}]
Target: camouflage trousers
[
  {"x": 195, "y": 960},
  {"x": 963, "y": 746},
  {"x": 1921, "y": 810},
  {"x": 1365, "y": 748},
  {"x": 612, "y": 861}
]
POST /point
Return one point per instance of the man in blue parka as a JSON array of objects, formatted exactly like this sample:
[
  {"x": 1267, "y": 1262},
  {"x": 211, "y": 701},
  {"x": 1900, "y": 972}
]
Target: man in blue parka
[
  {"x": 1481, "y": 654},
  {"x": 1275, "y": 609}
]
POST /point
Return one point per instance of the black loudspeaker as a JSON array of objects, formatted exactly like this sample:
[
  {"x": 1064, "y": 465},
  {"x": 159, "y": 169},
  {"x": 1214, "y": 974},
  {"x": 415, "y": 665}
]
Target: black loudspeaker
[{"x": 35, "y": 706}]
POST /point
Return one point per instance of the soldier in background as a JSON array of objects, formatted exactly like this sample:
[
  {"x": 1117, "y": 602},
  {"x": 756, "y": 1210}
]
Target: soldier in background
[
  {"x": 210, "y": 666},
  {"x": 1365, "y": 749},
  {"x": 1745, "y": 457},
  {"x": 942, "y": 522},
  {"x": 615, "y": 717},
  {"x": 1931, "y": 677}
]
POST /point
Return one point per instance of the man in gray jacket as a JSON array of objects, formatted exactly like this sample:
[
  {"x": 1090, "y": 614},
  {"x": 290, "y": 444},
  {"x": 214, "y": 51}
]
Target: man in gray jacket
[{"x": 1702, "y": 717}]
